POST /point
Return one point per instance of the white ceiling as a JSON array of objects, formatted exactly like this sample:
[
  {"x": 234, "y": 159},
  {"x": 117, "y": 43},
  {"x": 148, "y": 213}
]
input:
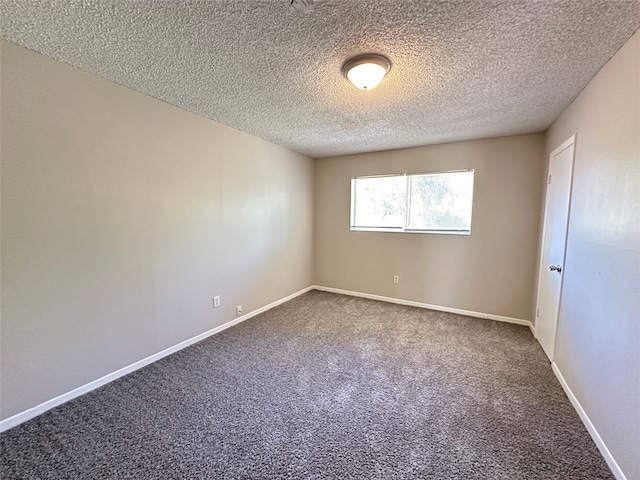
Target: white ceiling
[{"x": 461, "y": 69}]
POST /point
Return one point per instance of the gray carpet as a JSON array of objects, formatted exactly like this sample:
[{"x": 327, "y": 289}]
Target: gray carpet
[{"x": 323, "y": 387}]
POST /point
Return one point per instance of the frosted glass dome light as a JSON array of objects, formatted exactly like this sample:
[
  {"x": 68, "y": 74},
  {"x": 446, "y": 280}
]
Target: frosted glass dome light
[{"x": 366, "y": 71}]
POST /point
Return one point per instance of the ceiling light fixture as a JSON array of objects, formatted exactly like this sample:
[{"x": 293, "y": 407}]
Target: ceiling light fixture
[{"x": 366, "y": 71}]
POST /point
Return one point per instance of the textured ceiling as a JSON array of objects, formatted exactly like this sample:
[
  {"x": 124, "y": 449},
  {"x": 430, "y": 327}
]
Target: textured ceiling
[{"x": 461, "y": 69}]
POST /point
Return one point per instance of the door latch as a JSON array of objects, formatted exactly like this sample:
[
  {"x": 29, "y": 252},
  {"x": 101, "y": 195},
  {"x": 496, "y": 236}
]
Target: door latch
[{"x": 555, "y": 268}]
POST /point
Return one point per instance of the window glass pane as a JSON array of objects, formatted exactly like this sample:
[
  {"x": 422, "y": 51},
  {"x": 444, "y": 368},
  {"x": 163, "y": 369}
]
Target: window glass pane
[
  {"x": 441, "y": 201},
  {"x": 379, "y": 202}
]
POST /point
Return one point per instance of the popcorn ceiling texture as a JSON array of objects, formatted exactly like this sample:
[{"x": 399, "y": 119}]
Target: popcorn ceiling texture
[{"x": 461, "y": 69}]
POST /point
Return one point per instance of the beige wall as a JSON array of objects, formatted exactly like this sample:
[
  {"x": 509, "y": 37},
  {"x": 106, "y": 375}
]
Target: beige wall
[
  {"x": 491, "y": 271},
  {"x": 121, "y": 218},
  {"x": 598, "y": 339}
]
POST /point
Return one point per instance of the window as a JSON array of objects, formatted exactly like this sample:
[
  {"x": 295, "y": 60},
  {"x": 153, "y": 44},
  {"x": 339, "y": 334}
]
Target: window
[{"x": 433, "y": 203}]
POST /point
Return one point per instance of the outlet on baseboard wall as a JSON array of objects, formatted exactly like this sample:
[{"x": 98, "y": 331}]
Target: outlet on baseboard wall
[
  {"x": 239, "y": 310},
  {"x": 396, "y": 279}
]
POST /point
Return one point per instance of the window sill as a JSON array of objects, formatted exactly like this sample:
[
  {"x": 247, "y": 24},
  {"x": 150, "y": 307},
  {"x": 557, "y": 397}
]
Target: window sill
[{"x": 403, "y": 230}]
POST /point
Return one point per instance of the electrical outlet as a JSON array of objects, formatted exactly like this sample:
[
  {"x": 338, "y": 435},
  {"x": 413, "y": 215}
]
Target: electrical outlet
[
  {"x": 396, "y": 279},
  {"x": 239, "y": 310},
  {"x": 216, "y": 301}
]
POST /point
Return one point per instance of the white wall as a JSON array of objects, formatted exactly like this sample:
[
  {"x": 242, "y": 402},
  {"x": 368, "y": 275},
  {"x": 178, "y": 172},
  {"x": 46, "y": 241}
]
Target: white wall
[
  {"x": 492, "y": 271},
  {"x": 598, "y": 338},
  {"x": 122, "y": 217}
]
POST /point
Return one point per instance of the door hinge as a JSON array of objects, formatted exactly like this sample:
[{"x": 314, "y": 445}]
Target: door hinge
[
  {"x": 549, "y": 182},
  {"x": 537, "y": 312}
]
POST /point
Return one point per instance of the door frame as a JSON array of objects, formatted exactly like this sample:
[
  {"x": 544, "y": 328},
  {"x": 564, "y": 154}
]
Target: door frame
[{"x": 571, "y": 141}]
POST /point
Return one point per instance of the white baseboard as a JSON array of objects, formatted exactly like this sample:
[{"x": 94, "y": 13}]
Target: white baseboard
[
  {"x": 30, "y": 413},
  {"x": 411, "y": 303},
  {"x": 613, "y": 465}
]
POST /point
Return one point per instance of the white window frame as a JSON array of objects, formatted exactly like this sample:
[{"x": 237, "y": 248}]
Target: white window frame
[{"x": 405, "y": 229}]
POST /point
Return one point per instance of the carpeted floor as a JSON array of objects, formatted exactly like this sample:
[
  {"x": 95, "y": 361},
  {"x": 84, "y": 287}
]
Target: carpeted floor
[{"x": 323, "y": 387}]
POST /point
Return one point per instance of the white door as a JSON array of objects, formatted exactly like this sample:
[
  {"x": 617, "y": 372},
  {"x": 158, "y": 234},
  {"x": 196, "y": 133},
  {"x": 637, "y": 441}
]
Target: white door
[{"x": 554, "y": 240}]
